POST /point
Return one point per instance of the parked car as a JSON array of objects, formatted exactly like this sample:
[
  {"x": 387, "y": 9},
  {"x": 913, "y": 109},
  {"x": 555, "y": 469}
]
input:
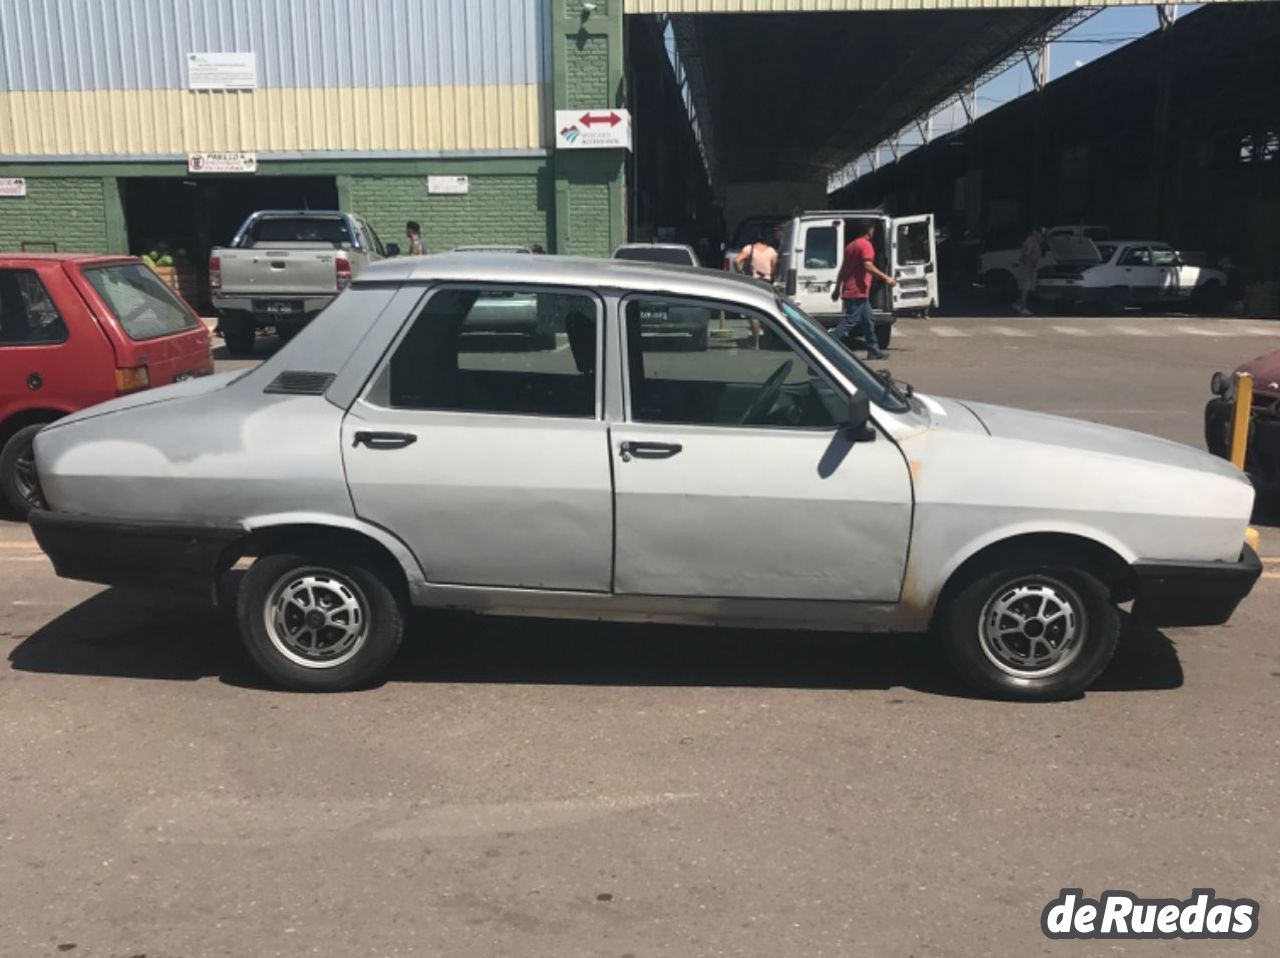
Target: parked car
[
  {"x": 75, "y": 330},
  {"x": 906, "y": 248},
  {"x": 380, "y": 462},
  {"x": 1262, "y": 462},
  {"x": 283, "y": 267},
  {"x": 1127, "y": 273},
  {"x": 673, "y": 320},
  {"x": 999, "y": 269}
]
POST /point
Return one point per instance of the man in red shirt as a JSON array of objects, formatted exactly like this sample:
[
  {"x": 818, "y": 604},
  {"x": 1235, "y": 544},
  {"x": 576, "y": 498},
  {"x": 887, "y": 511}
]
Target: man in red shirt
[{"x": 853, "y": 285}]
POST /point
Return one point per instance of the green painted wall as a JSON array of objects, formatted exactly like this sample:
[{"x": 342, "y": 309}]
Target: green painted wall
[{"x": 67, "y": 210}]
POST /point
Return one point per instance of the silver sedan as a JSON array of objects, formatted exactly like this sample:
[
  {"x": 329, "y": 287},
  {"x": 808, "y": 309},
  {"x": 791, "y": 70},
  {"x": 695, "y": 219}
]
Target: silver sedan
[{"x": 405, "y": 451}]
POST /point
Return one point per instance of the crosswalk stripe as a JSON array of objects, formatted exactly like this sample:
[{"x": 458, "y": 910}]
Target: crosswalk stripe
[
  {"x": 1070, "y": 330},
  {"x": 1009, "y": 331},
  {"x": 1136, "y": 331},
  {"x": 949, "y": 332},
  {"x": 1200, "y": 331}
]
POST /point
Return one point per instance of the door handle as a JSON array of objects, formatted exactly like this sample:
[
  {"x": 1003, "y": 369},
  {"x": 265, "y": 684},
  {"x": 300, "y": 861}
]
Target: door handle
[
  {"x": 384, "y": 440},
  {"x": 648, "y": 450}
]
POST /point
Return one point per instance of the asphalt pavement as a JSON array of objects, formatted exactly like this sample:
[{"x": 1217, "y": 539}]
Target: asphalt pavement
[{"x": 522, "y": 787}]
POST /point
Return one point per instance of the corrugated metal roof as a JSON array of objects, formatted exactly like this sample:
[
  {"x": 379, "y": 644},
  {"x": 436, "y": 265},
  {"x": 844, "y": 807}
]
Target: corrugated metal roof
[
  {"x": 849, "y": 6},
  {"x": 143, "y": 44}
]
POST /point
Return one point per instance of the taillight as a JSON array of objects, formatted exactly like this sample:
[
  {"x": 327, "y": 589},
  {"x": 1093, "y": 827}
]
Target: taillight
[
  {"x": 342, "y": 271},
  {"x": 129, "y": 379},
  {"x": 215, "y": 273}
]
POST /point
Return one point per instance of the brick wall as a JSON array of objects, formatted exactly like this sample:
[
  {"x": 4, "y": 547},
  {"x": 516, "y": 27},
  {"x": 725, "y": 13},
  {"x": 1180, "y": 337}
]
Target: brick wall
[
  {"x": 498, "y": 209},
  {"x": 587, "y": 72},
  {"x": 68, "y": 211}
]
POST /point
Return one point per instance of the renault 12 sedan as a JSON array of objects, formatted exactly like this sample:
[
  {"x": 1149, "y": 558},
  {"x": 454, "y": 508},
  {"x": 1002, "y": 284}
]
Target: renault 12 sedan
[{"x": 392, "y": 456}]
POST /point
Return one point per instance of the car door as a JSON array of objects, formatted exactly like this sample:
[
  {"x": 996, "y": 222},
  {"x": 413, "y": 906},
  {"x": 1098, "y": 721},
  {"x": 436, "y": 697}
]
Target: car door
[
  {"x": 817, "y": 263},
  {"x": 733, "y": 479},
  {"x": 1165, "y": 261},
  {"x": 1143, "y": 280},
  {"x": 913, "y": 262},
  {"x": 486, "y": 451}
]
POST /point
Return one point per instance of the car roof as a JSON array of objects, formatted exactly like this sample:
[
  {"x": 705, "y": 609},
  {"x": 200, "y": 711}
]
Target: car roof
[
  {"x": 325, "y": 213},
  {"x": 69, "y": 257},
  {"x": 653, "y": 246},
  {"x": 517, "y": 268}
]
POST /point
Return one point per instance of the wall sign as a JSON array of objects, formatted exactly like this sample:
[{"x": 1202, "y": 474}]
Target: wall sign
[
  {"x": 13, "y": 186},
  {"x": 593, "y": 129},
  {"x": 448, "y": 184},
  {"x": 222, "y": 71},
  {"x": 222, "y": 162}
]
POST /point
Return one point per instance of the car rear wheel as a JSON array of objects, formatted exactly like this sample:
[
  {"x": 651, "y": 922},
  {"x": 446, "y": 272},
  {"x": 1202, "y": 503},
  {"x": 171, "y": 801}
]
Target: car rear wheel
[
  {"x": 1031, "y": 631},
  {"x": 18, "y": 480},
  {"x": 239, "y": 332},
  {"x": 319, "y": 622},
  {"x": 884, "y": 334}
]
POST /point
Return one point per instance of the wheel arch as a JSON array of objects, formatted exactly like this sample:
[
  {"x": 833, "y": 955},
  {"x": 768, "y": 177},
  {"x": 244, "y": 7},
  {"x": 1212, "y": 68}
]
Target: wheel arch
[
  {"x": 296, "y": 531},
  {"x": 41, "y": 415},
  {"x": 1109, "y": 560}
]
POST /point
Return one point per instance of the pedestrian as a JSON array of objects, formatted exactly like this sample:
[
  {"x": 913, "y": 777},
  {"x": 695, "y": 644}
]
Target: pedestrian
[
  {"x": 853, "y": 285},
  {"x": 1028, "y": 267},
  {"x": 760, "y": 260},
  {"x": 413, "y": 232}
]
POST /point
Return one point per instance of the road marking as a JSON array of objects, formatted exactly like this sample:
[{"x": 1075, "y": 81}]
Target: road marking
[
  {"x": 1200, "y": 331},
  {"x": 1009, "y": 331},
  {"x": 19, "y": 544},
  {"x": 949, "y": 332},
  {"x": 1136, "y": 331},
  {"x": 1070, "y": 330},
  {"x": 32, "y": 558},
  {"x": 1271, "y": 575}
]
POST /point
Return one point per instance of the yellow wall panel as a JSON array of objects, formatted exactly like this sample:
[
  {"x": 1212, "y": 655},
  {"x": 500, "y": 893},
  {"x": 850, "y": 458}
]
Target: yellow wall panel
[{"x": 167, "y": 122}]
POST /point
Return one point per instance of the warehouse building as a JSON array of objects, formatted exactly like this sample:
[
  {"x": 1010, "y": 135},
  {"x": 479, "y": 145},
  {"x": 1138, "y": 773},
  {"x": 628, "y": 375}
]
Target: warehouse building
[{"x": 127, "y": 124}]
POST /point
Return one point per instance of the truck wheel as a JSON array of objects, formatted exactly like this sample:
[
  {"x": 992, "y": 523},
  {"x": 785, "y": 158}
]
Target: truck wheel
[
  {"x": 239, "y": 332},
  {"x": 18, "y": 480},
  {"x": 884, "y": 334},
  {"x": 319, "y": 622},
  {"x": 1031, "y": 631}
]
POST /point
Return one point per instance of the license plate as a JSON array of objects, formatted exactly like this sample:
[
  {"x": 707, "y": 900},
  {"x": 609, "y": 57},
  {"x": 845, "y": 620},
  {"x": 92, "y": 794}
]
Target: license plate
[{"x": 278, "y": 307}]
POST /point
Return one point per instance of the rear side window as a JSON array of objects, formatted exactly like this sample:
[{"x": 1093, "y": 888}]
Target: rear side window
[
  {"x": 500, "y": 351},
  {"x": 28, "y": 316},
  {"x": 820, "y": 247},
  {"x": 144, "y": 306}
]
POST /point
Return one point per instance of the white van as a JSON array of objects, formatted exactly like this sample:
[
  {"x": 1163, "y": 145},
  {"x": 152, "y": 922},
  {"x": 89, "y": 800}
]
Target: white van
[{"x": 813, "y": 245}]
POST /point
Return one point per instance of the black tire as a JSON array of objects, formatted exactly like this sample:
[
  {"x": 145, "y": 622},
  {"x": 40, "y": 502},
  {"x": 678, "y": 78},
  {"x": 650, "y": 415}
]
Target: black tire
[
  {"x": 989, "y": 601},
  {"x": 337, "y": 582},
  {"x": 1001, "y": 287},
  {"x": 884, "y": 334},
  {"x": 18, "y": 481},
  {"x": 239, "y": 332}
]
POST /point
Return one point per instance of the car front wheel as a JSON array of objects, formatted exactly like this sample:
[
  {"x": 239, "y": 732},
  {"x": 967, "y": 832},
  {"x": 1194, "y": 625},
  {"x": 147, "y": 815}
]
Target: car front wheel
[
  {"x": 1040, "y": 632},
  {"x": 322, "y": 622}
]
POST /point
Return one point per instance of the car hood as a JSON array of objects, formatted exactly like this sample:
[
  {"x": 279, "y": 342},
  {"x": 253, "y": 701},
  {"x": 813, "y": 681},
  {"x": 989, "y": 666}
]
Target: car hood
[
  {"x": 1020, "y": 425},
  {"x": 148, "y": 397},
  {"x": 1265, "y": 371}
]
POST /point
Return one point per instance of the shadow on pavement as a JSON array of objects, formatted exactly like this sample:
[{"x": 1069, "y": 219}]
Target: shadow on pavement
[{"x": 120, "y": 633}]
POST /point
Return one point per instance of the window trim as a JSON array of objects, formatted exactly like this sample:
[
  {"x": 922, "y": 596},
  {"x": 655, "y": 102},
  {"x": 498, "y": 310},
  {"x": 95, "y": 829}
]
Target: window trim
[
  {"x": 44, "y": 343},
  {"x": 766, "y": 319},
  {"x": 377, "y": 391}
]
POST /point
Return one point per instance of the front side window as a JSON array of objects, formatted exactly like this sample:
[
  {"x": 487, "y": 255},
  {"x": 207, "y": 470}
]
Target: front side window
[
  {"x": 1136, "y": 256},
  {"x": 820, "y": 250},
  {"x": 1163, "y": 256},
  {"x": 28, "y": 316},
  {"x": 144, "y": 306},
  {"x": 500, "y": 351},
  {"x": 746, "y": 375}
]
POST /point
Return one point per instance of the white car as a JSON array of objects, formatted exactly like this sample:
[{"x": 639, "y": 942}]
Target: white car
[
  {"x": 1123, "y": 273},
  {"x": 999, "y": 269}
]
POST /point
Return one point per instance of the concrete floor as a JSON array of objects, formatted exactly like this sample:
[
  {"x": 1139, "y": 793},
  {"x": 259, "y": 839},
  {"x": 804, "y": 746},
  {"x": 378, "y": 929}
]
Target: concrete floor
[{"x": 533, "y": 788}]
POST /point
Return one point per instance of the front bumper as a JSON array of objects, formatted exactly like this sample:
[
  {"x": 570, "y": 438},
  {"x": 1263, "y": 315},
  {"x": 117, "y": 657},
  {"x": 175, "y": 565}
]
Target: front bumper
[
  {"x": 142, "y": 553},
  {"x": 1193, "y": 593}
]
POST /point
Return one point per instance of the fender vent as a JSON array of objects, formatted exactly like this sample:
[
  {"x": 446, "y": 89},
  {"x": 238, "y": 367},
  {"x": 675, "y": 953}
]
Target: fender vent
[{"x": 293, "y": 382}]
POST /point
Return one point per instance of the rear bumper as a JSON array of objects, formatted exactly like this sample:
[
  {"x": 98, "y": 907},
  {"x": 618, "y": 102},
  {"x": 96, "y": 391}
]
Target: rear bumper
[
  {"x": 134, "y": 552},
  {"x": 305, "y": 306},
  {"x": 1193, "y": 593}
]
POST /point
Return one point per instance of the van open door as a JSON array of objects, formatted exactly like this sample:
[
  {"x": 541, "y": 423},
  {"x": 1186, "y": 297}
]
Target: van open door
[
  {"x": 814, "y": 261},
  {"x": 913, "y": 259}
]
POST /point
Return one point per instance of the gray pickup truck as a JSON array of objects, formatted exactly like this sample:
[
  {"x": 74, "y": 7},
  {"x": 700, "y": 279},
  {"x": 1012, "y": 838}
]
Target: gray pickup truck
[{"x": 283, "y": 267}]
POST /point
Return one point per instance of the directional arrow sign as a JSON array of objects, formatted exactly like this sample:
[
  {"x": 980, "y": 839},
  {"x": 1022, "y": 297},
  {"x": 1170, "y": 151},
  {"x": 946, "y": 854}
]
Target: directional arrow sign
[{"x": 606, "y": 129}]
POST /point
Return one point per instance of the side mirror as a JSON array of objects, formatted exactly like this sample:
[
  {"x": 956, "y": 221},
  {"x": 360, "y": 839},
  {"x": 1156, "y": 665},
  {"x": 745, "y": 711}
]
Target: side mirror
[
  {"x": 393, "y": 249},
  {"x": 857, "y": 427}
]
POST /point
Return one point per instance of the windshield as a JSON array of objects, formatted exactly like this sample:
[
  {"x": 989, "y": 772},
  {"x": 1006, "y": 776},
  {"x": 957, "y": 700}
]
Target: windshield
[
  {"x": 145, "y": 307},
  {"x": 877, "y": 390}
]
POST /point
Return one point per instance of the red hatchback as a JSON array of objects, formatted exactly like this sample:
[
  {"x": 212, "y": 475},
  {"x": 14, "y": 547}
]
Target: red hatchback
[{"x": 75, "y": 330}]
